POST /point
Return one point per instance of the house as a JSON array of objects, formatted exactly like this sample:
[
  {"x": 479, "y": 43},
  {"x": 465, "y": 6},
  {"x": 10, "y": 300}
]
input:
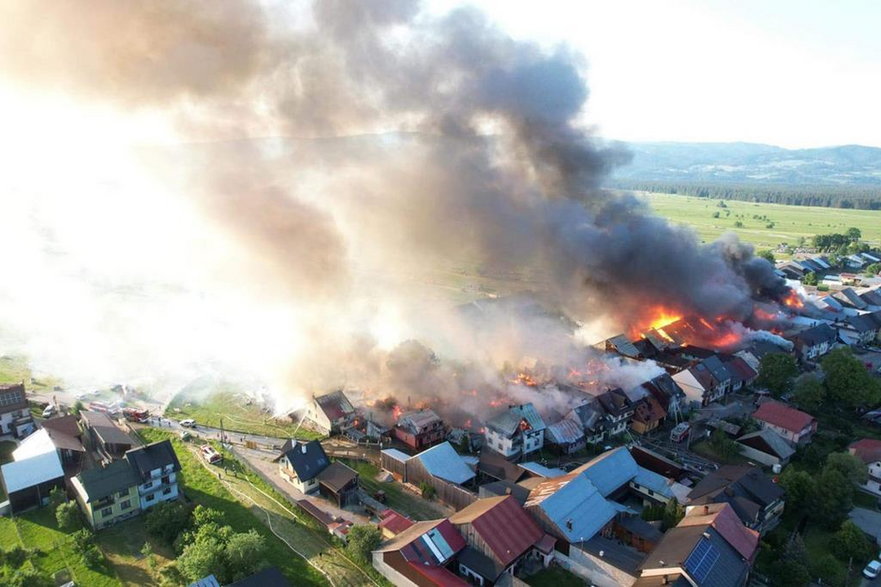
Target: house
[
  {"x": 566, "y": 436},
  {"x": 868, "y": 450},
  {"x": 103, "y": 436},
  {"x": 420, "y": 556},
  {"x": 339, "y": 483},
  {"x": 419, "y": 429},
  {"x": 29, "y": 478},
  {"x": 742, "y": 374},
  {"x": 15, "y": 417},
  {"x": 795, "y": 426},
  {"x": 330, "y": 413},
  {"x": 440, "y": 461},
  {"x": 70, "y": 451},
  {"x": 570, "y": 508},
  {"x": 300, "y": 463},
  {"x": 108, "y": 495},
  {"x": 668, "y": 393},
  {"x": 517, "y": 431},
  {"x": 619, "y": 410},
  {"x": 156, "y": 467},
  {"x": 392, "y": 523},
  {"x": 499, "y": 534},
  {"x": 766, "y": 447},
  {"x": 814, "y": 342},
  {"x": 65, "y": 434},
  {"x": 592, "y": 419},
  {"x": 706, "y": 380},
  {"x": 503, "y": 488},
  {"x": 709, "y": 546},
  {"x": 860, "y": 329},
  {"x": 649, "y": 414},
  {"x": 616, "y": 473},
  {"x": 753, "y": 496}
]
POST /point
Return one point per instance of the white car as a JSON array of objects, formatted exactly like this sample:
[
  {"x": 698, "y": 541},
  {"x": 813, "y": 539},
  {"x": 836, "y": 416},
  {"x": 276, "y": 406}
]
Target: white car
[
  {"x": 188, "y": 423},
  {"x": 872, "y": 570},
  {"x": 49, "y": 411}
]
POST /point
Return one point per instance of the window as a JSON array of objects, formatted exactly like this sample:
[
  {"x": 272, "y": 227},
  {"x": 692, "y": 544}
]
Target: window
[
  {"x": 150, "y": 497},
  {"x": 107, "y": 512},
  {"x": 123, "y": 493},
  {"x": 166, "y": 491},
  {"x": 126, "y": 504},
  {"x": 165, "y": 479}
]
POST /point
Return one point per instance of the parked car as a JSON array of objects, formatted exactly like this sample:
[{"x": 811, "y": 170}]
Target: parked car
[
  {"x": 872, "y": 570},
  {"x": 188, "y": 423},
  {"x": 185, "y": 435},
  {"x": 210, "y": 455},
  {"x": 49, "y": 411}
]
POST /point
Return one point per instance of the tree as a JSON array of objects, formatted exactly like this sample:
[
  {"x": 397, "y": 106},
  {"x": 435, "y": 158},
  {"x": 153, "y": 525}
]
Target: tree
[
  {"x": 77, "y": 408},
  {"x": 724, "y": 446},
  {"x": 848, "y": 465},
  {"x": 363, "y": 540},
  {"x": 791, "y": 570},
  {"x": 777, "y": 372},
  {"x": 850, "y": 541},
  {"x": 832, "y": 499},
  {"x": 168, "y": 520},
  {"x": 428, "y": 490},
  {"x": 738, "y": 224},
  {"x": 68, "y": 516},
  {"x": 873, "y": 269},
  {"x": 827, "y": 568},
  {"x": 28, "y": 577},
  {"x": 810, "y": 278},
  {"x": 854, "y": 233},
  {"x": 847, "y": 380},
  {"x": 809, "y": 394},
  {"x": 766, "y": 254},
  {"x": 245, "y": 553},
  {"x": 202, "y": 558},
  {"x": 799, "y": 487},
  {"x": 673, "y": 514},
  {"x": 56, "y": 498}
]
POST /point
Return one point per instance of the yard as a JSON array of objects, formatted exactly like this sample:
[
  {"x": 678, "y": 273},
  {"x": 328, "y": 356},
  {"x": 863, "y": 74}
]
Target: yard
[
  {"x": 399, "y": 499},
  {"x": 239, "y": 413},
  {"x": 14, "y": 369},
  {"x": 555, "y": 577},
  {"x": 705, "y": 449}
]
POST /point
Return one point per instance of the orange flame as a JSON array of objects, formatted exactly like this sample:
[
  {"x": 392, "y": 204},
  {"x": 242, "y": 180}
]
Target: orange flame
[
  {"x": 663, "y": 317},
  {"x": 763, "y": 315},
  {"x": 397, "y": 411},
  {"x": 707, "y": 324},
  {"x": 793, "y": 300}
]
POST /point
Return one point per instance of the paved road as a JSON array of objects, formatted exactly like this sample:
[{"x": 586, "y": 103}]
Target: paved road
[{"x": 869, "y": 521}]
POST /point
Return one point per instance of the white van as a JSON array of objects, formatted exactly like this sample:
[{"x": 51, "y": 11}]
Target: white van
[{"x": 49, "y": 411}]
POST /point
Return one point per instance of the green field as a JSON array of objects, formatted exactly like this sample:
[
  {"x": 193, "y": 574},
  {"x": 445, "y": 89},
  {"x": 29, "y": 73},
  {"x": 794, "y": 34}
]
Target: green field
[{"x": 790, "y": 222}]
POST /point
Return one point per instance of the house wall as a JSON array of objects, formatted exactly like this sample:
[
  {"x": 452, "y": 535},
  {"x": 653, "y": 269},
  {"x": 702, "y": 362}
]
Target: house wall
[
  {"x": 873, "y": 484},
  {"x": 288, "y": 474},
  {"x": 110, "y": 510},
  {"x": 533, "y": 440},
  {"x": 593, "y": 569},
  {"x": 7, "y": 418},
  {"x": 318, "y": 418},
  {"x": 694, "y": 391},
  {"x": 798, "y": 438},
  {"x": 34, "y": 496},
  {"x": 759, "y": 456}
]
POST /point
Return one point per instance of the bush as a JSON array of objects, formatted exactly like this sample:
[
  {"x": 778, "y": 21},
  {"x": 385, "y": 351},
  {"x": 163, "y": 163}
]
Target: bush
[
  {"x": 363, "y": 540},
  {"x": 68, "y": 516},
  {"x": 850, "y": 541},
  {"x": 16, "y": 556},
  {"x": 82, "y": 540},
  {"x": 93, "y": 557},
  {"x": 167, "y": 521},
  {"x": 428, "y": 490},
  {"x": 28, "y": 577}
]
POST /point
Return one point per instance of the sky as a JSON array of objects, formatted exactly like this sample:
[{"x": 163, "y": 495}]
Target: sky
[{"x": 793, "y": 73}]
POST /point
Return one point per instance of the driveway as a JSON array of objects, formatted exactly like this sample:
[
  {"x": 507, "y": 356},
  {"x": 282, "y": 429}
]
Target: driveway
[{"x": 868, "y": 521}]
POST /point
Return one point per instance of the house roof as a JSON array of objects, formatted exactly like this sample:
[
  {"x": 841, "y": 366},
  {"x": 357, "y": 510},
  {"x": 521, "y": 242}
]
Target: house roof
[
  {"x": 746, "y": 488},
  {"x": 502, "y": 488},
  {"x": 722, "y": 517},
  {"x": 103, "y": 426},
  {"x": 739, "y": 369},
  {"x": 63, "y": 424},
  {"x": 438, "y": 576},
  {"x": 427, "y": 543},
  {"x": 615, "y": 401},
  {"x": 781, "y": 415},
  {"x": 38, "y": 443},
  {"x": 506, "y": 529},
  {"x": 64, "y": 433},
  {"x": 573, "y": 505},
  {"x": 394, "y": 522},
  {"x": 308, "y": 459},
  {"x": 480, "y": 563},
  {"x": 335, "y": 405},
  {"x": 639, "y": 527},
  {"x": 521, "y": 416},
  {"x": 816, "y": 335},
  {"x": 769, "y": 442},
  {"x": 651, "y": 480},
  {"x": 33, "y": 470},
  {"x": 659, "y": 464},
  {"x": 623, "y": 346},
  {"x": 14, "y": 398},
  {"x": 418, "y": 421},
  {"x": 610, "y": 470},
  {"x": 395, "y": 454},
  {"x": 566, "y": 431},
  {"x": 156, "y": 455},
  {"x": 115, "y": 477},
  {"x": 704, "y": 555},
  {"x": 540, "y": 470},
  {"x": 268, "y": 577},
  {"x": 649, "y": 410},
  {"x": 867, "y": 450},
  {"x": 853, "y": 298},
  {"x": 442, "y": 461},
  {"x": 497, "y": 466},
  {"x": 589, "y": 415},
  {"x": 337, "y": 476}
]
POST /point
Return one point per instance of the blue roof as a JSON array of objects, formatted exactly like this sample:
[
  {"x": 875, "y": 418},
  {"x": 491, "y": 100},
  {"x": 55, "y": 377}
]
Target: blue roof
[
  {"x": 610, "y": 470},
  {"x": 577, "y": 509},
  {"x": 396, "y": 454},
  {"x": 542, "y": 471},
  {"x": 508, "y": 421},
  {"x": 442, "y": 461},
  {"x": 653, "y": 481}
]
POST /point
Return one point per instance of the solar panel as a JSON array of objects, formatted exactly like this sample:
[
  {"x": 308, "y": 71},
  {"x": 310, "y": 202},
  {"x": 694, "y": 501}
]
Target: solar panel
[{"x": 701, "y": 560}]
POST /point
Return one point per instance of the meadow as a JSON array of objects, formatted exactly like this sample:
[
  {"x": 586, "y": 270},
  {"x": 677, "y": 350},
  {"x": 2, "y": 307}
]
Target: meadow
[{"x": 764, "y": 225}]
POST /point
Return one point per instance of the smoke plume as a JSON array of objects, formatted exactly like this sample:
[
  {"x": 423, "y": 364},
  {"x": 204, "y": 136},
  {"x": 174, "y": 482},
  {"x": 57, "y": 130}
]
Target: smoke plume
[{"x": 408, "y": 146}]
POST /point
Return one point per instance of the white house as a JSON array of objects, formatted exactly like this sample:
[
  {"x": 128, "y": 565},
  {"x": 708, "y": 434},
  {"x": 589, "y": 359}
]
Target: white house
[
  {"x": 157, "y": 467},
  {"x": 519, "y": 430},
  {"x": 300, "y": 463},
  {"x": 330, "y": 413},
  {"x": 868, "y": 450}
]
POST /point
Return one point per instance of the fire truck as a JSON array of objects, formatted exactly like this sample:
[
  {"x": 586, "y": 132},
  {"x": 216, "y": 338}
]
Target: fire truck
[{"x": 135, "y": 415}]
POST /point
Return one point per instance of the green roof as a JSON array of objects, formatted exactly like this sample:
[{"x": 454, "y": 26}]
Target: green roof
[{"x": 115, "y": 477}]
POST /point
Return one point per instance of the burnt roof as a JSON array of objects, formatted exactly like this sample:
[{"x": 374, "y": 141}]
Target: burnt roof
[{"x": 335, "y": 405}]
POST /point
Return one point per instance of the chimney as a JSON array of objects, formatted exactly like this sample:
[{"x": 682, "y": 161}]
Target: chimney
[
  {"x": 507, "y": 491},
  {"x": 706, "y": 510},
  {"x": 569, "y": 524}
]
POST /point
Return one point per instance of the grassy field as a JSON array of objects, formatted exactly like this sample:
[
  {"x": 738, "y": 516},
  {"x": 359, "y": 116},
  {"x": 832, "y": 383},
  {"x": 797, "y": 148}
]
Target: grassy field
[
  {"x": 15, "y": 368},
  {"x": 248, "y": 499},
  {"x": 790, "y": 222},
  {"x": 237, "y": 415}
]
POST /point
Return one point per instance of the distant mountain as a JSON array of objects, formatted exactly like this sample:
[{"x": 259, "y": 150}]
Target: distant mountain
[{"x": 750, "y": 163}]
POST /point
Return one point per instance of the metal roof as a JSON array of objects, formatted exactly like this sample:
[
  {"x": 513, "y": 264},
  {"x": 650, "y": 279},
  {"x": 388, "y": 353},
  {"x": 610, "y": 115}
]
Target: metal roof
[
  {"x": 566, "y": 431},
  {"x": 508, "y": 421},
  {"x": 506, "y": 529},
  {"x": 542, "y": 471},
  {"x": 444, "y": 462},
  {"x": 574, "y": 506},
  {"x": 610, "y": 470},
  {"x": 653, "y": 481},
  {"x": 117, "y": 476},
  {"x": 31, "y": 471},
  {"x": 396, "y": 454},
  {"x": 38, "y": 443}
]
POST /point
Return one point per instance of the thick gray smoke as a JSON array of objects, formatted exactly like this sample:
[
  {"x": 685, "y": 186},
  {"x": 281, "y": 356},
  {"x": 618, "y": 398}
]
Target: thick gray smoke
[{"x": 423, "y": 142}]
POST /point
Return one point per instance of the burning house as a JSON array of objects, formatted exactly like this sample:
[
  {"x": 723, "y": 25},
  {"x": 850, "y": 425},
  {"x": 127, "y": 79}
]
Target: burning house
[
  {"x": 420, "y": 429},
  {"x": 516, "y": 432},
  {"x": 330, "y": 413}
]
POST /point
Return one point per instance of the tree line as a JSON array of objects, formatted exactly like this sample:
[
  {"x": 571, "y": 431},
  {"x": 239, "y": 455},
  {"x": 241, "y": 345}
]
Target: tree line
[{"x": 858, "y": 197}]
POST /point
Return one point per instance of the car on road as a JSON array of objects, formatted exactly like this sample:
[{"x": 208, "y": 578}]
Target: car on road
[
  {"x": 188, "y": 423},
  {"x": 872, "y": 570},
  {"x": 185, "y": 435},
  {"x": 49, "y": 411}
]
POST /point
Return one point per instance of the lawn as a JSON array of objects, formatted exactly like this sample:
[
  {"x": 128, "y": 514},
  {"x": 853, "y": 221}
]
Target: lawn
[
  {"x": 790, "y": 222},
  {"x": 37, "y": 529},
  {"x": 14, "y": 369},
  {"x": 238, "y": 415},
  {"x": 705, "y": 449},
  {"x": 122, "y": 544},
  {"x": 399, "y": 499},
  {"x": 555, "y": 577},
  {"x": 203, "y": 488}
]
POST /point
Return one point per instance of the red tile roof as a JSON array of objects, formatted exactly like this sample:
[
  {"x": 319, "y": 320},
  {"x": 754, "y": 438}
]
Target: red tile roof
[
  {"x": 439, "y": 576},
  {"x": 505, "y": 527},
  {"x": 783, "y": 416},
  {"x": 867, "y": 450},
  {"x": 394, "y": 522},
  {"x": 722, "y": 517}
]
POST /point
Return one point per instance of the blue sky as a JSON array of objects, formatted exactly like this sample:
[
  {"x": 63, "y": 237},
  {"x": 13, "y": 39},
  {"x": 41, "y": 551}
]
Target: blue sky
[{"x": 786, "y": 72}]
